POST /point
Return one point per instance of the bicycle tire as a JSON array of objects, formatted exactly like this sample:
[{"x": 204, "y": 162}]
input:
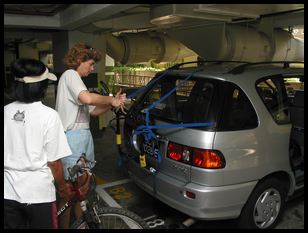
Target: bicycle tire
[{"x": 112, "y": 218}]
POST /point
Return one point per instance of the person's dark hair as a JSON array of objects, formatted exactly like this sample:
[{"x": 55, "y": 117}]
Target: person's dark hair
[{"x": 28, "y": 92}]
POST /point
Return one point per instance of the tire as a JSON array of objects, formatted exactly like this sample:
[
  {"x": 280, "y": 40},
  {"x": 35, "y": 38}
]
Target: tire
[
  {"x": 112, "y": 218},
  {"x": 269, "y": 198}
]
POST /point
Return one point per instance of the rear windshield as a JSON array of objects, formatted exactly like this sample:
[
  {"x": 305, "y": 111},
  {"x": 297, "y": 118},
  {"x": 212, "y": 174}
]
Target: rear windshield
[{"x": 190, "y": 103}]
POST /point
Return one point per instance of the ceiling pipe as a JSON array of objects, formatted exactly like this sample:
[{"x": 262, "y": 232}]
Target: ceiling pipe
[
  {"x": 131, "y": 48},
  {"x": 240, "y": 43},
  {"x": 211, "y": 42},
  {"x": 248, "y": 44},
  {"x": 287, "y": 47}
]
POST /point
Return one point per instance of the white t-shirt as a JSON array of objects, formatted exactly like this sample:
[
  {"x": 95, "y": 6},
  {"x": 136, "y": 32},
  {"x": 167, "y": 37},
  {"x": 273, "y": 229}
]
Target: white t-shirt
[
  {"x": 33, "y": 135},
  {"x": 73, "y": 113}
]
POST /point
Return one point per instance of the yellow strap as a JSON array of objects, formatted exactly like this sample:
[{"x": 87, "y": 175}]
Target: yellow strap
[
  {"x": 142, "y": 161},
  {"x": 118, "y": 139}
]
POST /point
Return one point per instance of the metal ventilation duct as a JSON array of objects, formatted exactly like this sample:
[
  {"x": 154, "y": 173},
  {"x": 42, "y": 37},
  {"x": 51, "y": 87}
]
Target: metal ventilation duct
[
  {"x": 211, "y": 42},
  {"x": 143, "y": 47},
  {"x": 233, "y": 42},
  {"x": 213, "y": 32},
  {"x": 287, "y": 47}
]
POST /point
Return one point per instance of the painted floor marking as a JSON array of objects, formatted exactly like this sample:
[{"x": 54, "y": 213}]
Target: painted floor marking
[
  {"x": 109, "y": 200},
  {"x": 106, "y": 197}
]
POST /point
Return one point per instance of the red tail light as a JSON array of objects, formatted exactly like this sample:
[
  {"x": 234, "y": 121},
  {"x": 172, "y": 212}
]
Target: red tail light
[
  {"x": 175, "y": 151},
  {"x": 209, "y": 159}
]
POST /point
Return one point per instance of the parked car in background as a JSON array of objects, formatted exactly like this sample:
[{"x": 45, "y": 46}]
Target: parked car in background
[{"x": 243, "y": 164}]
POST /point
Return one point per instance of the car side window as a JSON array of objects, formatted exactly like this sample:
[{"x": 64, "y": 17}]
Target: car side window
[
  {"x": 238, "y": 112},
  {"x": 273, "y": 94}
]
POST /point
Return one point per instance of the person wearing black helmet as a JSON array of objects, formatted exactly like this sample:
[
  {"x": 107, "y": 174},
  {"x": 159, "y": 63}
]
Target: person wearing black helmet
[{"x": 34, "y": 143}]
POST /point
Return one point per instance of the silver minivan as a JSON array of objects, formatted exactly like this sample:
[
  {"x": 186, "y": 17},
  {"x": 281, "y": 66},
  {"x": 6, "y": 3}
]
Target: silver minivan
[{"x": 213, "y": 140}]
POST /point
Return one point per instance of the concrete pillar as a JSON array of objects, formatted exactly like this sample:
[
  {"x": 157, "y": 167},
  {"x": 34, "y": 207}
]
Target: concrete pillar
[
  {"x": 99, "y": 43},
  {"x": 60, "y": 46}
]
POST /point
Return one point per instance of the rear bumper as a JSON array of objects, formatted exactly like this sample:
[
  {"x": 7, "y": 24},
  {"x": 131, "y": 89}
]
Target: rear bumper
[{"x": 210, "y": 203}]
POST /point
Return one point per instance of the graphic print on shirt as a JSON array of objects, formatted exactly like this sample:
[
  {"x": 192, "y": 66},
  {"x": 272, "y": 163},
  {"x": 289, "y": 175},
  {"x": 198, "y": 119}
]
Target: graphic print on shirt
[
  {"x": 19, "y": 116},
  {"x": 83, "y": 114}
]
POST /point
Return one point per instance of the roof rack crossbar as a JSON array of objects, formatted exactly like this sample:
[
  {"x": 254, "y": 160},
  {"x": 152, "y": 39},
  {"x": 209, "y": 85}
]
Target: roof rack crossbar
[
  {"x": 241, "y": 68},
  {"x": 202, "y": 62}
]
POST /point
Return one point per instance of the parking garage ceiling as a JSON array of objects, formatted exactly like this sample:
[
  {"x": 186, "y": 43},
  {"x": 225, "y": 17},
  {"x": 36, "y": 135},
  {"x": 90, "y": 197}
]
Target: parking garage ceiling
[
  {"x": 34, "y": 9},
  {"x": 121, "y": 17},
  {"x": 33, "y": 22}
]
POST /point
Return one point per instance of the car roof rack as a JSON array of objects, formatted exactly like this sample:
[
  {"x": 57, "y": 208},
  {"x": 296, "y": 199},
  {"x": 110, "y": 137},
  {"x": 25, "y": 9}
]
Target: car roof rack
[
  {"x": 203, "y": 62},
  {"x": 240, "y": 69}
]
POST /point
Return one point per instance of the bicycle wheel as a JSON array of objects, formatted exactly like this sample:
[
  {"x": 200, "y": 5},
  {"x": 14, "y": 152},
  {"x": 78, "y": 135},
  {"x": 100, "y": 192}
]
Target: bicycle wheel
[{"x": 114, "y": 218}]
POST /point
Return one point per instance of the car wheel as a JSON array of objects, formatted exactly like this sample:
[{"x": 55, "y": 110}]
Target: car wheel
[{"x": 265, "y": 205}]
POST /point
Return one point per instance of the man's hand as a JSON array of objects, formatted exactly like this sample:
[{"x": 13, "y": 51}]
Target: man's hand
[
  {"x": 65, "y": 191},
  {"x": 84, "y": 184}
]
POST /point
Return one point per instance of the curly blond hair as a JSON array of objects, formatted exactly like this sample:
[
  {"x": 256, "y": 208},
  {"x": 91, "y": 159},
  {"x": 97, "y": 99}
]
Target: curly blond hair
[{"x": 80, "y": 53}]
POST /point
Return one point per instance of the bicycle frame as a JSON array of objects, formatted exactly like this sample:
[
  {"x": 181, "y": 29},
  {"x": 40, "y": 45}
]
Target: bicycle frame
[
  {"x": 79, "y": 197},
  {"x": 70, "y": 202},
  {"x": 95, "y": 215}
]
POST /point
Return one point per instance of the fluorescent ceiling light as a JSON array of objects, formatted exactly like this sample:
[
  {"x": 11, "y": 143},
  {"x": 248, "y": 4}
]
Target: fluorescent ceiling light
[{"x": 166, "y": 19}]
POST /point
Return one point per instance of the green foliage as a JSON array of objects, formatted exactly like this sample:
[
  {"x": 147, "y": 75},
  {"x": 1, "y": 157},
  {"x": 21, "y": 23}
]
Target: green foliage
[{"x": 132, "y": 68}]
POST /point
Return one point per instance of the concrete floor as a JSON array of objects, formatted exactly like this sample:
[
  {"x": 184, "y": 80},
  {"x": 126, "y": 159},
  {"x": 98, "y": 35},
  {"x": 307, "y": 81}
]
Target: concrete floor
[{"x": 109, "y": 171}]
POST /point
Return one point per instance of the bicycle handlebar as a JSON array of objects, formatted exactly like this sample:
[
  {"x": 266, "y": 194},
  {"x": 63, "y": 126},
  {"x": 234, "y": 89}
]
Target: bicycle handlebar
[
  {"x": 74, "y": 170},
  {"x": 82, "y": 165}
]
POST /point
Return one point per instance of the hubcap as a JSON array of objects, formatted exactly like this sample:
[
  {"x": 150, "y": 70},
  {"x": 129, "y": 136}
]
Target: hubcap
[{"x": 267, "y": 208}]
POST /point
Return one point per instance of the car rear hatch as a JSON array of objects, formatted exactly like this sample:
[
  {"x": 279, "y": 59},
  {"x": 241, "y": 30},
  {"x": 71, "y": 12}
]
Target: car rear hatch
[{"x": 195, "y": 102}]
